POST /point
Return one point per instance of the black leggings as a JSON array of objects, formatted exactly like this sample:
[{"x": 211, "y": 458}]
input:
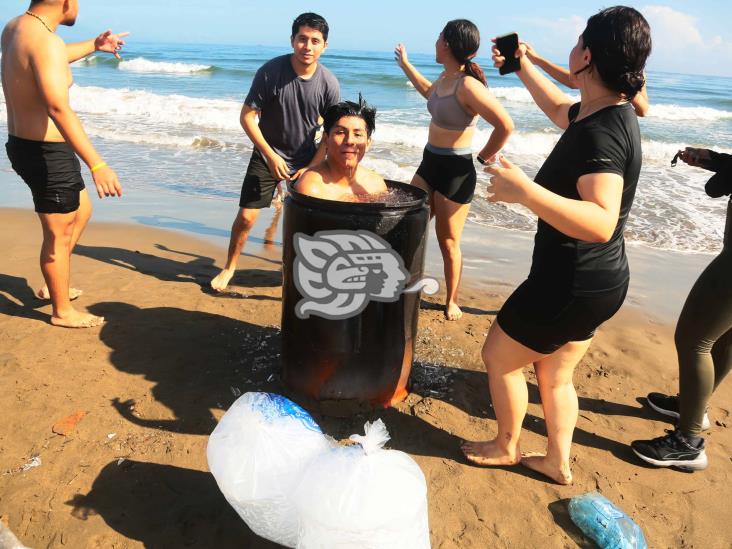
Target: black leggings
[{"x": 704, "y": 337}]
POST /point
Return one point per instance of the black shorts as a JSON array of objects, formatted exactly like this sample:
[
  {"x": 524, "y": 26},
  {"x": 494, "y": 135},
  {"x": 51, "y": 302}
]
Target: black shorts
[
  {"x": 259, "y": 184},
  {"x": 452, "y": 175},
  {"x": 51, "y": 170},
  {"x": 544, "y": 319}
]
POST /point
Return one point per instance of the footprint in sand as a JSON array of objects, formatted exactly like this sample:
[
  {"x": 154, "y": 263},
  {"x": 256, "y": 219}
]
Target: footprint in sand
[{"x": 44, "y": 294}]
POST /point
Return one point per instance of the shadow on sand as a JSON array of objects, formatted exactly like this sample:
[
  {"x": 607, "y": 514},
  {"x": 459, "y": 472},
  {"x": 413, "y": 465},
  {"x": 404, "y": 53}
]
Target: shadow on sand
[
  {"x": 18, "y": 288},
  {"x": 468, "y": 390},
  {"x": 197, "y": 270},
  {"x": 560, "y": 511},
  {"x": 466, "y": 309},
  {"x": 165, "y": 507},
  {"x": 198, "y": 361}
]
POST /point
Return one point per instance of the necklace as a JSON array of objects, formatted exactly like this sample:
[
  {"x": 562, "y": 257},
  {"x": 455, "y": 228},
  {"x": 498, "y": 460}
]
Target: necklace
[{"x": 29, "y": 12}]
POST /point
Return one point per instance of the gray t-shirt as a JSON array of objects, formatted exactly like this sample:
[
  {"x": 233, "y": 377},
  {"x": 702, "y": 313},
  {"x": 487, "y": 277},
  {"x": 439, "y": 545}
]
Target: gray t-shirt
[{"x": 289, "y": 107}]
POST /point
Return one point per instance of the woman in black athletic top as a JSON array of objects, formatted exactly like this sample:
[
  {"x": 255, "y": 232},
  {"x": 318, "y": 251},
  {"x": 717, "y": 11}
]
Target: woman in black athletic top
[{"x": 579, "y": 273}]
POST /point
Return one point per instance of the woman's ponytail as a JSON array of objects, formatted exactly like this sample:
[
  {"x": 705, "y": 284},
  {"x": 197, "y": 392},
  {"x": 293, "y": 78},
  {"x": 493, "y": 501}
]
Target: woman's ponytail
[{"x": 473, "y": 69}]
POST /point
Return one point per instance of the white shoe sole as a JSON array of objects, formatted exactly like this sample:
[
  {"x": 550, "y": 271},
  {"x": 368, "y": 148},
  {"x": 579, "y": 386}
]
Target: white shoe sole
[
  {"x": 705, "y": 421},
  {"x": 698, "y": 464}
]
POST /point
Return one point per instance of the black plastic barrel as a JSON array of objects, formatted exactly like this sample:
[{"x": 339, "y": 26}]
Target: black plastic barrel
[{"x": 367, "y": 357}]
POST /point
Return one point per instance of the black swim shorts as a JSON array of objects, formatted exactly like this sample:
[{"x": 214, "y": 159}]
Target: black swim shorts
[
  {"x": 259, "y": 184},
  {"x": 51, "y": 170},
  {"x": 451, "y": 174},
  {"x": 544, "y": 318}
]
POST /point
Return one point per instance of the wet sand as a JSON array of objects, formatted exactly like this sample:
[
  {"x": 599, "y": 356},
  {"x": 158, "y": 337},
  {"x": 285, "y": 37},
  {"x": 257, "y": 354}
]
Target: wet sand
[{"x": 156, "y": 377}]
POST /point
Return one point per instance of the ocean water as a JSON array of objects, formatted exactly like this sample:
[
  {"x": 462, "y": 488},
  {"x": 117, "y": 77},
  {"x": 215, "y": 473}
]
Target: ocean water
[{"x": 166, "y": 118}]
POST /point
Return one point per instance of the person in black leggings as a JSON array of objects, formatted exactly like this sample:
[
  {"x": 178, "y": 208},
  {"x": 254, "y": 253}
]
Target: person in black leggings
[{"x": 703, "y": 341}]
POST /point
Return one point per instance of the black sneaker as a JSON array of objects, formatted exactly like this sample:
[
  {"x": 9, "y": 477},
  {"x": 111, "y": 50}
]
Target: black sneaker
[
  {"x": 673, "y": 450},
  {"x": 669, "y": 406}
]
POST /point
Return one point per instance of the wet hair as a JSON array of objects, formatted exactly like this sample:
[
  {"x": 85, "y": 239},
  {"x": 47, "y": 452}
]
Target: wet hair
[
  {"x": 348, "y": 108},
  {"x": 312, "y": 20},
  {"x": 463, "y": 39},
  {"x": 619, "y": 39}
]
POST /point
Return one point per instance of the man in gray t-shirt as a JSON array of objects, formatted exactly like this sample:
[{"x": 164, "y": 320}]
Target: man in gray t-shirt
[{"x": 288, "y": 97}]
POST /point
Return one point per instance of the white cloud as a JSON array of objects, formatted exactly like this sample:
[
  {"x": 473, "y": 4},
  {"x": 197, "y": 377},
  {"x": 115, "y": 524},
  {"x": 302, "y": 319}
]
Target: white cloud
[
  {"x": 679, "y": 44},
  {"x": 553, "y": 37},
  {"x": 672, "y": 29},
  {"x": 566, "y": 29}
]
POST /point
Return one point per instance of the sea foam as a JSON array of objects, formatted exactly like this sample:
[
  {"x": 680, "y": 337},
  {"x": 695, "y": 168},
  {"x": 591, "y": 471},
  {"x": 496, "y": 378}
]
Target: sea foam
[{"x": 143, "y": 65}]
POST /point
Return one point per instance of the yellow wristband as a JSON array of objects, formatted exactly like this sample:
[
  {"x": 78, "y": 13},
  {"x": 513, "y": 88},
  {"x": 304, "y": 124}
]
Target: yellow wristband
[{"x": 98, "y": 166}]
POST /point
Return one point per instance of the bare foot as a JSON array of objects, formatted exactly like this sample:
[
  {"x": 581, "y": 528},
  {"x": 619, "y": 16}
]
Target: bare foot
[
  {"x": 75, "y": 319},
  {"x": 221, "y": 281},
  {"x": 453, "y": 312},
  {"x": 557, "y": 472},
  {"x": 44, "y": 294},
  {"x": 488, "y": 454}
]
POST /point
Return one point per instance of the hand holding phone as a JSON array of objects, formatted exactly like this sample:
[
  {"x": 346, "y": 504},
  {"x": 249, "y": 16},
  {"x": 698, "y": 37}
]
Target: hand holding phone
[{"x": 508, "y": 45}]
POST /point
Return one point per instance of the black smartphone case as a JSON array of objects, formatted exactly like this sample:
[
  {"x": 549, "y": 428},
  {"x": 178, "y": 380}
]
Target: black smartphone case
[{"x": 507, "y": 45}]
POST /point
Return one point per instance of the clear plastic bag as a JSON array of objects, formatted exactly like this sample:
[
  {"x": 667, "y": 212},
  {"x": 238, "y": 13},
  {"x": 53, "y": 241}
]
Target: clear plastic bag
[
  {"x": 604, "y": 523},
  {"x": 8, "y": 539},
  {"x": 257, "y": 454},
  {"x": 363, "y": 497}
]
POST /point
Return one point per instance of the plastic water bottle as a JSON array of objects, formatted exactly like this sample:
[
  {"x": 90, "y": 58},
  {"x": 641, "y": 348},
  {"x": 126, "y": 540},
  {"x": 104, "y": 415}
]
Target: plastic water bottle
[{"x": 607, "y": 525}]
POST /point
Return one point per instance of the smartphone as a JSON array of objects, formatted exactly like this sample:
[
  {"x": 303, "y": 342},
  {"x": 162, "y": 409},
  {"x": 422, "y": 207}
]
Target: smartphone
[{"x": 507, "y": 45}]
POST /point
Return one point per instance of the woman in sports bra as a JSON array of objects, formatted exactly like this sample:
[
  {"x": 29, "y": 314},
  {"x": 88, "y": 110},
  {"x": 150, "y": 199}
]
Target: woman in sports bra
[{"x": 447, "y": 173}]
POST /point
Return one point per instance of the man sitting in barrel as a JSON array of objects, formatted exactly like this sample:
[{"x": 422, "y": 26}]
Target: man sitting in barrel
[{"x": 347, "y": 129}]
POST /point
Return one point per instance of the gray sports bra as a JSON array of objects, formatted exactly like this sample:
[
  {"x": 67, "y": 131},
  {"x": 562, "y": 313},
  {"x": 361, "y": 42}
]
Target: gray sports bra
[{"x": 447, "y": 112}]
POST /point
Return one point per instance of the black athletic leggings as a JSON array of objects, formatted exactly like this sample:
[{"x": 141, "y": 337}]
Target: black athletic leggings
[{"x": 704, "y": 336}]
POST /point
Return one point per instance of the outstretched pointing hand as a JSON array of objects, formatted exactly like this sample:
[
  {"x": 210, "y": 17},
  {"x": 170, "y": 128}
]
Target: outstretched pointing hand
[{"x": 111, "y": 43}]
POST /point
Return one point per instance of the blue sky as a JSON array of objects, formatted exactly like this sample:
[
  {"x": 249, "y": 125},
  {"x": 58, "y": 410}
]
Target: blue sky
[{"x": 688, "y": 37}]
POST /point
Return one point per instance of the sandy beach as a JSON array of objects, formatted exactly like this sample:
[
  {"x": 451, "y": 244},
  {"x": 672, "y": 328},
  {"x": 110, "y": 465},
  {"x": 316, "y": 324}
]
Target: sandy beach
[{"x": 151, "y": 383}]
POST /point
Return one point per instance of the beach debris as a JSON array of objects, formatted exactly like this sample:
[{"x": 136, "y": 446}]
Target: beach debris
[
  {"x": 235, "y": 391},
  {"x": 120, "y": 461},
  {"x": 65, "y": 426},
  {"x": 430, "y": 379},
  {"x": 110, "y": 436},
  {"x": 603, "y": 522},
  {"x": 365, "y": 494},
  {"x": 34, "y": 462}
]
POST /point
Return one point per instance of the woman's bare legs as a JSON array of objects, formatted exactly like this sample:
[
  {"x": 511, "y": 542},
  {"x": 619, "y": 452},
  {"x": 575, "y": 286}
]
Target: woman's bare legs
[
  {"x": 449, "y": 223},
  {"x": 559, "y": 401},
  {"x": 504, "y": 360}
]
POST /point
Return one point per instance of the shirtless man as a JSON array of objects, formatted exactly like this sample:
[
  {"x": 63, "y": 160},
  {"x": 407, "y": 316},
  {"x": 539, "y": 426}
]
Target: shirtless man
[
  {"x": 347, "y": 130},
  {"x": 45, "y": 136}
]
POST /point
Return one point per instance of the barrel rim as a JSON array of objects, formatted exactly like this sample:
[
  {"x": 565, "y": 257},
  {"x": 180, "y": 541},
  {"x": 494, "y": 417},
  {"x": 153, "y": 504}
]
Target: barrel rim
[{"x": 335, "y": 205}]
